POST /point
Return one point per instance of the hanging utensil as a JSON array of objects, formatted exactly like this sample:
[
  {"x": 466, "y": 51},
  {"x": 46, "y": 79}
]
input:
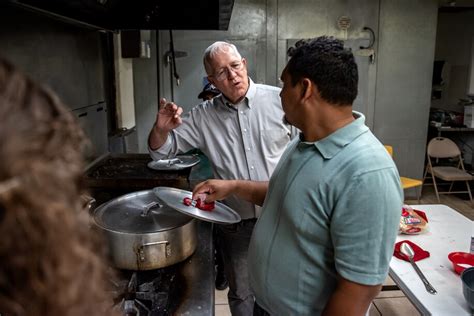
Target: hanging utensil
[
  {"x": 170, "y": 57},
  {"x": 407, "y": 250},
  {"x": 173, "y": 56}
]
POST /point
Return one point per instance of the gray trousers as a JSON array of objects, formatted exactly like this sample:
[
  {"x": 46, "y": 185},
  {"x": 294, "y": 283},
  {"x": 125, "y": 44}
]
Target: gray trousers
[{"x": 234, "y": 242}]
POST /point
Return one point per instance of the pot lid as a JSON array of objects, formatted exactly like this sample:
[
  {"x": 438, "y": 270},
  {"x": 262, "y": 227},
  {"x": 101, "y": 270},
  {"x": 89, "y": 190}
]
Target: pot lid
[
  {"x": 177, "y": 163},
  {"x": 221, "y": 214},
  {"x": 138, "y": 213}
]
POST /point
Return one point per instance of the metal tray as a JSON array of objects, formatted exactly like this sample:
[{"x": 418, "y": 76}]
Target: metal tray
[
  {"x": 177, "y": 163},
  {"x": 221, "y": 214}
]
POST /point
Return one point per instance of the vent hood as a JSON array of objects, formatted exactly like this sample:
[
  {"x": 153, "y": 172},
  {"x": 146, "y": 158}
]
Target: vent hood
[{"x": 137, "y": 14}]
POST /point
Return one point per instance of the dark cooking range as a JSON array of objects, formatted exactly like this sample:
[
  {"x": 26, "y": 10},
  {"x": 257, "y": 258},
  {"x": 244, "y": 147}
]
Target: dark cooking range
[
  {"x": 186, "y": 288},
  {"x": 113, "y": 175},
  {"x": 148, "y": 293},
  {"x": 154, "y": 282}
]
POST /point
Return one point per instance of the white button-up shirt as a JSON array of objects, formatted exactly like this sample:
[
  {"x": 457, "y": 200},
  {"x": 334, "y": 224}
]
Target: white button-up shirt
[{"x": 242, "y": 141}]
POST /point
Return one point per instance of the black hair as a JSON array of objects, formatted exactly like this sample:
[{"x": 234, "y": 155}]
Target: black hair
[{"x": 331, "y": 67}]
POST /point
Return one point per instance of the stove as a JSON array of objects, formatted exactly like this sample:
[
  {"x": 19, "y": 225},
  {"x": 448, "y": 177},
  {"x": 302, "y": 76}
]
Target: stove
[
  {"x": 148, "y": 293},
  {"x": 186, "y": 288},
  {"x": 112, "y": 175}
]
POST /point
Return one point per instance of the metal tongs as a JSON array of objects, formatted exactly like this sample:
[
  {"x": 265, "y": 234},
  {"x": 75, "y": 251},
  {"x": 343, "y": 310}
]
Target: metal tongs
[{"x": 408, "y": 251}]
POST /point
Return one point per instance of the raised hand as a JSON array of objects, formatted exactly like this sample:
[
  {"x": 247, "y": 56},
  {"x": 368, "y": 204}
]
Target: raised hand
[{"x": 168, "y": 117}]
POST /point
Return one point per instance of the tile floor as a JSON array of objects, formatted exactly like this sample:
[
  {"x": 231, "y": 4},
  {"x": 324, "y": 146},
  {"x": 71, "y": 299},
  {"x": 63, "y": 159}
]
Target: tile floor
[{"x": 387, "y": 303}]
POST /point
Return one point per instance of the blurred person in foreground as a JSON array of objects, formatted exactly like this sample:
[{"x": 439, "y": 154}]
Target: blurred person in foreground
[
  {"x": 331, "y": 209},
  {"x": 51, "y": 262},
  {"x": 243, "y": 134}
]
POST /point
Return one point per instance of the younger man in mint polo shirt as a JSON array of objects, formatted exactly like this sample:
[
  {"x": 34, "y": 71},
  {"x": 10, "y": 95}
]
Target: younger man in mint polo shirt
[{"x": 331, "y": 209}]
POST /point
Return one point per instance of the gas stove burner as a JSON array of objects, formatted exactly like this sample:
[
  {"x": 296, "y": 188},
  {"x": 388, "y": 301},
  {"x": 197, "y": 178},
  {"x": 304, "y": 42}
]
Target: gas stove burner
[
  {"x": 148, "y": 293},
  {"x": 130, "y": 309},
  {"x": 185, "y": 288}
]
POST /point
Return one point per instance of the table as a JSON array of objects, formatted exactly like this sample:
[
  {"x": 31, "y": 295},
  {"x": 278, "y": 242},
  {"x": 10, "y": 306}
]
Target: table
[{"x": 449, "y": 231}]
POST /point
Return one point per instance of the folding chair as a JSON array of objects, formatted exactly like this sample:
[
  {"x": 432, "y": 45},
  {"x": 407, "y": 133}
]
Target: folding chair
[
  {"x": 407, "y": 183},
  {"x": 443, "y": 148}
]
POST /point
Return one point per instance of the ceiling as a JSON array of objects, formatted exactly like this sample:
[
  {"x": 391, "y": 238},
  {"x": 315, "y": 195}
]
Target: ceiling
[{"x": 138, "y": 14}]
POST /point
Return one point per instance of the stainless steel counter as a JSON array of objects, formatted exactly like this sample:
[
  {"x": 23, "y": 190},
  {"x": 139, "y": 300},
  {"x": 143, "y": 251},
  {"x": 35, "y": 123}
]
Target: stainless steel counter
[{"x": 198, "y": 271}]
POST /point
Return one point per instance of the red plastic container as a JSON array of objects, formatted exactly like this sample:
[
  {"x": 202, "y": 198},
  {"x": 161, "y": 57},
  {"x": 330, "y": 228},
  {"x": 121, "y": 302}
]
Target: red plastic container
[{"x": 461, "y": 258}]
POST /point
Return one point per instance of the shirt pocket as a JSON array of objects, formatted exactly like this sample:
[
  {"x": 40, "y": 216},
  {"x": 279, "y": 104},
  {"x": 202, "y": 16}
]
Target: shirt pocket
[{"x": 274, "y": 141}]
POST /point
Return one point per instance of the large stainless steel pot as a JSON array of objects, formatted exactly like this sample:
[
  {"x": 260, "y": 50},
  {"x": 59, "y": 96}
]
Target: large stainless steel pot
[{"x": 143, "y": 234}]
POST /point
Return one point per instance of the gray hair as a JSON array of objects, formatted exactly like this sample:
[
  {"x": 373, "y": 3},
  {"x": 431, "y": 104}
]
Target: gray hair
[{"x": 215, "y": 48}]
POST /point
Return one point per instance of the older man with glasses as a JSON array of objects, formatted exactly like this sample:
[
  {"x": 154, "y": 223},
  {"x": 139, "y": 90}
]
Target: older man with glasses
[{"x": 243, "y": 134}]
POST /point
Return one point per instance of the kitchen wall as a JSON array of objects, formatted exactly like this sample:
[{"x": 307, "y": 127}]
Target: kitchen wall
[
  {"x": 403, "y": 84},
  {"x": 64, "y": 57},
  {"x": 453, "y": 44},
  {"x": 146, "y": 94},
  {"x": 394, "y": 91}
]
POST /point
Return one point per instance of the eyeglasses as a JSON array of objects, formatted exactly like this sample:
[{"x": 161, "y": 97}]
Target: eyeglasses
[{"x": 224, "y": 73}]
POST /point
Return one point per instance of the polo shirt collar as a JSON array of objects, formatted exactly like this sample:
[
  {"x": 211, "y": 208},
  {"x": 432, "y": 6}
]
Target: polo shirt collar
[{"x": 334, "y": 143}]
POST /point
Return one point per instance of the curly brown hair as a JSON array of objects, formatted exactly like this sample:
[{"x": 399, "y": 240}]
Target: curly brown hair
[{"x": 52, "y": 263}]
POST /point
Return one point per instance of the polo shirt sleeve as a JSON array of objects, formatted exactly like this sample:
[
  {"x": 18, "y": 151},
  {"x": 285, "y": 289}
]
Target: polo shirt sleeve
[{"x": 364, "y": 225}]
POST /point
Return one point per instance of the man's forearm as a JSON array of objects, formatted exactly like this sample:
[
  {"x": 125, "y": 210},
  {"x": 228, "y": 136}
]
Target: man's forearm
[
  {"x": 252, "y": 191},
  {"x": 157, "y": 138}
]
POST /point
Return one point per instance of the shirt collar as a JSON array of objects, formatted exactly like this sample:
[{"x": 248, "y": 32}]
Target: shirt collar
[
  {"x": 251, "y": 92},
  {"x": 334, "y": 143},
  {"x": 247, "y": 100}
]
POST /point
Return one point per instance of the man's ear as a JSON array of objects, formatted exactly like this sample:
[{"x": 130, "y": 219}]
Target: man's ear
[
  {"x": 307, "y": 88},
  {"x": 244, "y": 61}
]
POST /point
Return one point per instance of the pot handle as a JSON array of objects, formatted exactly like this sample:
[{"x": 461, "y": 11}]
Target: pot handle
[
  {"x": 88, "y": 202},
  {"x": 141, "y": 249},
  {"x": 148, "y": 207}
]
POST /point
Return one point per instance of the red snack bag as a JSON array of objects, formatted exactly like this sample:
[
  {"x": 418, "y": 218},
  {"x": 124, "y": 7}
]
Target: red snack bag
[
  {"x": 202, "y": 205},
  {"x": 412, "y": 222}
]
